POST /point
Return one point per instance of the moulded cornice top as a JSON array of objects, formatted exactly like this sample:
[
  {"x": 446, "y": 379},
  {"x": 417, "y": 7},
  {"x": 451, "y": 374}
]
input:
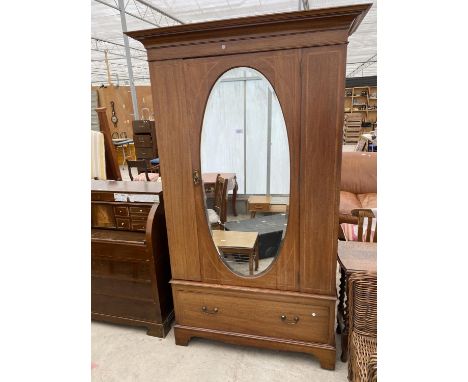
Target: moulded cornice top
[{"x": 345, "y": 17}]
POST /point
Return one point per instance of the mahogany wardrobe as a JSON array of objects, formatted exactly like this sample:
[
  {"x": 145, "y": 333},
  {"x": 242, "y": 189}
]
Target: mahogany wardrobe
[{"x": 291, "y": 305}]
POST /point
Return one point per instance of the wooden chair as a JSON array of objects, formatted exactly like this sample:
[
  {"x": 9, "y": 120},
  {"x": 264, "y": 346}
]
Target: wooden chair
[
  {"x": 362, "y": 339},
  {"x": 217, "y": 215},
  {"x": 362, "y": 214},
  {"x": 143, "y": 171}
]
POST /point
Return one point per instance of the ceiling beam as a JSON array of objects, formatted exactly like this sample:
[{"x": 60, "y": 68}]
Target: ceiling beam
[
  {"x": 363, "y": 66},
  {"x": 115, "y": 43},
  {"x": 128, "y": 13},
  {"x": 151, "y": 6}
]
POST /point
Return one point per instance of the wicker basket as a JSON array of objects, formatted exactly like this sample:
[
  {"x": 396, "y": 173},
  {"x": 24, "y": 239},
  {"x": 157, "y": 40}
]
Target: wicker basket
[{"x": 362, "y": 340}]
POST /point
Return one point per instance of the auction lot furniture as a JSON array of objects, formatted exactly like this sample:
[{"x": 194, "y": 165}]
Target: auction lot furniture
[
  {"x": 266, "y": 203},
  {"x": 144, "y": 138},
  {"x": 353, "y": 256},
  {"x": 234, "y": 242},
  {"x": 209, "y": 181},
  {"x": 130, "y": 269},
  {"x": 358, "y": 184},
  {"x": 291, "y": 305},
  {"x": 270, "y": 232}
]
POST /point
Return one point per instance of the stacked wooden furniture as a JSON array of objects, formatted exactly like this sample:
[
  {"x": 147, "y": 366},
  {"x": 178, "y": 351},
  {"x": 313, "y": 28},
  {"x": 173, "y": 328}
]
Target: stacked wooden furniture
[
  {"x": 363, "y": 101},
  {"x": 130, "y": 269},
  {"x": 291, "y": 306},
  {"x": 352, "y": 128},
  {"x": 144, "y": 138}
]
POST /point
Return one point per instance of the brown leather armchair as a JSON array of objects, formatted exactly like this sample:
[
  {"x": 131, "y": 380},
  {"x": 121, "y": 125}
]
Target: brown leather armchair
[{"x": 358, "y": 184}]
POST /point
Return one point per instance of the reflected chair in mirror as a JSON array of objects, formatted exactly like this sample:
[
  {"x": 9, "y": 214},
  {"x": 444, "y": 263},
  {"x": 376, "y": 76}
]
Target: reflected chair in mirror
[
  {"x": 365, "y": 230},
  {"x": 217, "y": 214},
  {"x": 143, "y": 173},
  {"x": 362, "y": 340}
]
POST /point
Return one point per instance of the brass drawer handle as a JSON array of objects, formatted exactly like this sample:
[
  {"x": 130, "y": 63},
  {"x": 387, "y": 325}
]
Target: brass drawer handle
[
  {"x": 205, "y": 310},
  {"x": 294, "y": 321}
]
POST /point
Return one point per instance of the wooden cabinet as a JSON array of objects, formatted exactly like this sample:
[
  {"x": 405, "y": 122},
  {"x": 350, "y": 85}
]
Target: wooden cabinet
[
  {"x": 144, "y": 138},
  {"x": 130, "y": 269},
  {"x": 290, "y": 306}
]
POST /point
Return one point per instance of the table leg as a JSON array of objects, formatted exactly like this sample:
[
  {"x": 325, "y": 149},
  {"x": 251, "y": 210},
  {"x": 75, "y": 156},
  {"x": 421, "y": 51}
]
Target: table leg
[
  {"x": 234, "y": 197},
  {"x": 252, "y": 214},
  {"x": 256, "y": 255},
  {"x": 251, "y": 256}
]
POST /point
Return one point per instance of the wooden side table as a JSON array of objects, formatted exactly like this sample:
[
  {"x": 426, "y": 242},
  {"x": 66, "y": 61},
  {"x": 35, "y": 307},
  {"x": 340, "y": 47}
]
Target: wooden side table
[
  {"x": 266, "y": 203},
  {"x": 353, "y": 256},
  {"x": 237, "y": 242}
]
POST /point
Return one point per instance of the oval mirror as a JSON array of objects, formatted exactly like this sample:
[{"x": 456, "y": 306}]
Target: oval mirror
[{"x": 245, "y": 170}]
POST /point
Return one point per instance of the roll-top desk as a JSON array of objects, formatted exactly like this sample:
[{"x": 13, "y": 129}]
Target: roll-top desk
[
  {"x": 302, "y": 58},
  {"x": 130, "y": 269}
]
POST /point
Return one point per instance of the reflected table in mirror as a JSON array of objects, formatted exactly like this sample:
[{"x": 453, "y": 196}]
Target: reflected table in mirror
[
  {"x": 238, "y": 244},
  {"x": 270, "y": 231},
  {"x": 209, "y": 181},
  {"x": 266, "y": 203},
  {"x": 353, "y": 256}
]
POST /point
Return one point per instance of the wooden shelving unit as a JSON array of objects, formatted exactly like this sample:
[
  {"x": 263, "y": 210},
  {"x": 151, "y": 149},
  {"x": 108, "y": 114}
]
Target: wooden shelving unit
[
  {"x": 352, "y": 128},
  {"x": 363, "y": 100}
]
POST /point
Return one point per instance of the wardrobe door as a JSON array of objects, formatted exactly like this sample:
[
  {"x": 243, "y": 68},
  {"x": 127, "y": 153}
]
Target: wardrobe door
[
  {"x": 169, "y": 93},
  {"x": 281, "y": 69},
  {"x": 323, "y": 80}
]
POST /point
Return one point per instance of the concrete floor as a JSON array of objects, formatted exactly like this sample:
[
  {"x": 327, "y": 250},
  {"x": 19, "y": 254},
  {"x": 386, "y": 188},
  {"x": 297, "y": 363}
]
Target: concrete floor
[{"x": 126, "y": 354}]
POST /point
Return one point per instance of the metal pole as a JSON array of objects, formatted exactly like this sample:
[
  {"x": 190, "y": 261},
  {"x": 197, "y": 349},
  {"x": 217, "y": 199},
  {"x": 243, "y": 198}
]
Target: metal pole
[{"x": 136, "y": 115}]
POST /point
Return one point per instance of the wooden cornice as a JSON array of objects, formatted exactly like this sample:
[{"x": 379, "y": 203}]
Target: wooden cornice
[{"x": 344, "y": 18}]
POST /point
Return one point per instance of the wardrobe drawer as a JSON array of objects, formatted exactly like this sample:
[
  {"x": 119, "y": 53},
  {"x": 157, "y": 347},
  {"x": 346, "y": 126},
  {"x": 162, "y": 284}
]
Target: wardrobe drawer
[
  {"x": 250, "y": 314},
  {"x": 123, "y": 223}
]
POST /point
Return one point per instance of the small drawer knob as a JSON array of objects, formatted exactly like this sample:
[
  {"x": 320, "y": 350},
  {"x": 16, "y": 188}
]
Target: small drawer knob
[{"x": 314, "y": 314}]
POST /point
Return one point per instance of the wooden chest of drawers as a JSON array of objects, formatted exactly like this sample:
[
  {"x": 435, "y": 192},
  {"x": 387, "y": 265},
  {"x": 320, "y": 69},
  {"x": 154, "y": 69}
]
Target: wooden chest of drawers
[
  {"x": 130, "y": 269},
  {"x": 144, "y": 138}
]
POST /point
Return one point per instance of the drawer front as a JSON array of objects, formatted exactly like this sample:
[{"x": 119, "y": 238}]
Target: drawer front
[
  {"x": 145, "y": 153},
  {"x": 123, "y": 223},
  {"x": 124, "y": 307},
  {"x": 143, "y": 140},
  {"x": 259, "y": 207},
  {"x": 138, "y": 225},
  {"x": 140, "y": 211},
  {"x": 132, "y": 270},
  {"x": 119, "y": 251},
  {"x": 249, "y": 314},
  {"x": 122, "y": 288},
  {"x": 143, "y": 126},
  {"x": 121, "y": 211}
]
